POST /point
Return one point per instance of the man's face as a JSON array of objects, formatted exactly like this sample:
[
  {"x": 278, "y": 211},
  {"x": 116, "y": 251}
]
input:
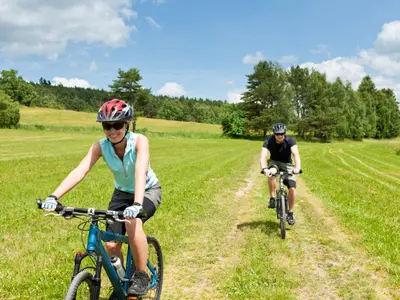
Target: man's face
[{"x": 279, "y": 137}]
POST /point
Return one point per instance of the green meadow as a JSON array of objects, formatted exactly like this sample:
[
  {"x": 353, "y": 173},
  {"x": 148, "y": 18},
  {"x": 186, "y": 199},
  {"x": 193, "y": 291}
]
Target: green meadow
[
  {"x": 53, "y": 118},
  {"x": 218, "y": 237}
]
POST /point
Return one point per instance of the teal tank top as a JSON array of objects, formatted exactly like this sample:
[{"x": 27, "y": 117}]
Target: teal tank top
[{"x": 124, "y": 171}]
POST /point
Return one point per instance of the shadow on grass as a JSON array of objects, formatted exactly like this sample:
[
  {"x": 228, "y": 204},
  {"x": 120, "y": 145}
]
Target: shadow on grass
[{"x": 268, "y": 227}]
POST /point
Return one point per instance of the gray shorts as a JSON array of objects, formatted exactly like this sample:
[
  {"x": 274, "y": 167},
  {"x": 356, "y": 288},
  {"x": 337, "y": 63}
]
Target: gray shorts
[
  {"x": 289, "y": 181},
  {"x": 121, "y": 200}
]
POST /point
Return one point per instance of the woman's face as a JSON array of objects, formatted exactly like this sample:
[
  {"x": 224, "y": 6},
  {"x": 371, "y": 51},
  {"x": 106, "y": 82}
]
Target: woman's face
[{"x": 115, "y": 131}]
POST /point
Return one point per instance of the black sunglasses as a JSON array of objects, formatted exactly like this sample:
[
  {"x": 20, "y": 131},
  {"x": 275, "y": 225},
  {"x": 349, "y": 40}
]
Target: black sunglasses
[
  {"x": 279, "y": 133},
  {"x": 116, "y": 126}
]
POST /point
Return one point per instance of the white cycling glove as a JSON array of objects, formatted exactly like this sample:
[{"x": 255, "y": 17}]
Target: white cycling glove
[
  {"x": 267, "y": 172},
  {"x": 50, "y": 203},
  {"x": 133, "y": 210}
]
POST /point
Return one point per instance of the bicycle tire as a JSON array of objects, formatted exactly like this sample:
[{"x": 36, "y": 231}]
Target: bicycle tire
[
  {"x": 283, "y": 217},
  {"x": 80, "y": 278},
  {"x": 151, "y": 241}
]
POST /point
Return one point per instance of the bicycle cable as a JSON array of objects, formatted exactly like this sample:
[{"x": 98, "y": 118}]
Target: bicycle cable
[{"x": 81, "y": 226}]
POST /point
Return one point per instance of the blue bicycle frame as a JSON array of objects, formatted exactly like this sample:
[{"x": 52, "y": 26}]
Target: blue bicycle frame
[{"x": 95, "y": 248}]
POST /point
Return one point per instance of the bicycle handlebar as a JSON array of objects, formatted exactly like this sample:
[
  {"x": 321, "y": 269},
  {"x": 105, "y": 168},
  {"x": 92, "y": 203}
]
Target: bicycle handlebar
[
  {"x": 289, "y": 172},
  {"x": 71, "y": 211}
]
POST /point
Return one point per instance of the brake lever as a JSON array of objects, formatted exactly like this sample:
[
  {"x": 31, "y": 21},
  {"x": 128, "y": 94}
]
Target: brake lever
[
  {"x": 123, "y": 220},
  {"x": 53, "y": 214}
]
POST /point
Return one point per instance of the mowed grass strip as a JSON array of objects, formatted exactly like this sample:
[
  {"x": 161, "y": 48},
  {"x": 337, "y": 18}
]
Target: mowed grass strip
[
  {"x": 365, "y": 200},
  {"x": 264, "y": 263},
  {"x": 38, "y": 251},
  {"x": 212, "y": 250},
  {"x": 68, "y": 118},
  {"x": 319, "y": 259}
]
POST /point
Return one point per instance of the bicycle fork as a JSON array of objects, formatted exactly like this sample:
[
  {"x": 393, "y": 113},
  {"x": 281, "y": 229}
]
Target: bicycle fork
[
  {"x": 79, "y": 256},
  {"x": 279, "y": 212}
]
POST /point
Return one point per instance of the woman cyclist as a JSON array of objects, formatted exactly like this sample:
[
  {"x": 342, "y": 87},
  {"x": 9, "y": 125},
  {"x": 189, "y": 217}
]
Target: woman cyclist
[{"x": 136, "y": 185}]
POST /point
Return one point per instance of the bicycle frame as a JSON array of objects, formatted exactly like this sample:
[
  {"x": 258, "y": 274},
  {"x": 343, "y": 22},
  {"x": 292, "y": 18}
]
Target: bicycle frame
[
  {"x": 282, "y": 191},
  {"x": 96, "y": 249}
]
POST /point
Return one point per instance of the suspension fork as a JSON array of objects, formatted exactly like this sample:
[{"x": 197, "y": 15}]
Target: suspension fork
[
  {"x": 97, "y": 277},
  {"x": 281, "y": 193},
  {"x": 79, "y": 256}
]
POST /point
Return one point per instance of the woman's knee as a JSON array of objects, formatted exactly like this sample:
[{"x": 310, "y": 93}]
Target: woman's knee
[
  {"x": 135, "y": 225},
  {"x": 113, "y": 247}
]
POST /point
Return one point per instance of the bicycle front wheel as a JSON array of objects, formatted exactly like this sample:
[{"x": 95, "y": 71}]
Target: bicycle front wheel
[
  {"x": 155, "y": 269},
  {"x": 283, "y": 217},
  {"x": 81, "y": 287}
]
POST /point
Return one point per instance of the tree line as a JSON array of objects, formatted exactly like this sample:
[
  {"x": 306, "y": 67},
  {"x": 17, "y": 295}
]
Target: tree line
[
  {"x": 311, "y": 106},
  {"x": 15, "y": 91}
]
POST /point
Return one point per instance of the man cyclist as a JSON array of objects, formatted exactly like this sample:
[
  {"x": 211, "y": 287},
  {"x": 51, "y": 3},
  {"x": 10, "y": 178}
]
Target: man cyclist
[
  {"x": 281, "y": 148},
  {"x": 136, "y": 185}
]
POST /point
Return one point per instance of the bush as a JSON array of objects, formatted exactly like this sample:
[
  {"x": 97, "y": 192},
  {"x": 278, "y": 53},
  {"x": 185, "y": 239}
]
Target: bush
[
  {"x": 233, "y": 124},
  {"x": 9, "y": 111}
]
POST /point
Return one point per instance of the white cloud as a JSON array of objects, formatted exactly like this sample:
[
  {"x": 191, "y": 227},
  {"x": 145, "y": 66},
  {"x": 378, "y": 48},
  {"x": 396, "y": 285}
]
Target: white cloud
[
  {"x": 234, "y": 96},
  {"x": 83, "y": 52},
  {"x": 93, "y": 66},
  {"x": 322, "y": 49},
  {"x": 387, "y": 83},
  {"x": 35, "y": 66},
  {"x": 385, "y": 56},
  {"x": 382, "y": 60},
  {"x": 344, "y": 67},
  {"x": 152, "y": 22},
  {"x": 73, "y": 82},
  {"x": 229, "y": 81},
  {"x": 45, "y": 27},
  {"x": 288, "y": 59},
  {"x": 172, "y": 89},
  {"x": 129, "y": 13},
  {"x": 154, "y": 1},
  {"x": 387, "y": 64},
  {"x": 53, "y": 56},
  {"x": 253, "y": 59},
  {"x": 388, "y": 40}
]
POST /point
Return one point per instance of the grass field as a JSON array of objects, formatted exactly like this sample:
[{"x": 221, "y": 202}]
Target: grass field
[
  {"x": 220, "y": 241},
  {"x": 62, "y": 118},
  {"x": 39, "y": 250}
]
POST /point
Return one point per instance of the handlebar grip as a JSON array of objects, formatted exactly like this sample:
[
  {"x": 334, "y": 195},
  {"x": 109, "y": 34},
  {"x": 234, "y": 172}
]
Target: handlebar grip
[
  {"x": 39, "y": 203},
  {"x": 142, "y": 214},
  {"x": 59, "y": 206}
]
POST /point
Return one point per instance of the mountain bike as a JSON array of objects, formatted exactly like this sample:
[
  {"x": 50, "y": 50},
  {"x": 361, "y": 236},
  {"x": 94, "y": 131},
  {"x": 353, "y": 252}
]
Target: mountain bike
[
  {"x": 86, "y": 281},
  {"x": 282, "y": 205}
]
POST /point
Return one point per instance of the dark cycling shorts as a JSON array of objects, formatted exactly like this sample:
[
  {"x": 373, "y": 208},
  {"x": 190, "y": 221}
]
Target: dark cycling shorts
[
  {"x": 289, "y": 180},
  {"x": 121, "y": 200}
]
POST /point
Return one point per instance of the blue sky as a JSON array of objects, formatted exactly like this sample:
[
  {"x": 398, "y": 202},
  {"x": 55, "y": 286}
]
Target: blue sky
[{"x": 198, "y": 48}]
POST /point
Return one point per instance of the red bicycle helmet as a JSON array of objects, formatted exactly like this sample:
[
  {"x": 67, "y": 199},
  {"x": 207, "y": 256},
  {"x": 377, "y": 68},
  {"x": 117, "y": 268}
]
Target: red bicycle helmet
[{"x": 115, "y": 110}]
